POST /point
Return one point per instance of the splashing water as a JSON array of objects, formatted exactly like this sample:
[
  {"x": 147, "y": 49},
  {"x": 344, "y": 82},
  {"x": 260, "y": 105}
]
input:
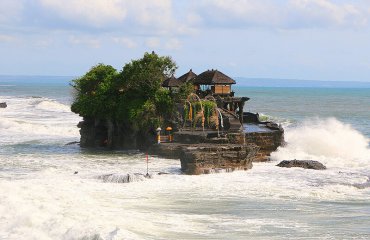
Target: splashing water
[{"x": 327, "y": 140}]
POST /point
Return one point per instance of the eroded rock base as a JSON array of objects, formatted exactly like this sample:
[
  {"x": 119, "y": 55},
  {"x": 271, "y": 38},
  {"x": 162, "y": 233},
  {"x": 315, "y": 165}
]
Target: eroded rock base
[{"x": 208, "y": 156}]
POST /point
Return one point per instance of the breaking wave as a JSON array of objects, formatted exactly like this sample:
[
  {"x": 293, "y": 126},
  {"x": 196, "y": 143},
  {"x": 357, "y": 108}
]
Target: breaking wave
[
  {"x": 328, "y": 140},
  {"x": 50, "y": 105},
  {"x": 285, "y": 122},
  {"x": 39, "y": 129}
]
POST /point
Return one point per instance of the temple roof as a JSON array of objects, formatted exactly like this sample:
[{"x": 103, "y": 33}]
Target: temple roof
[
  {"x": 187, "y": 76},
  {"x": 172, "y": 82},
  {"x": 211, "y": 77}
]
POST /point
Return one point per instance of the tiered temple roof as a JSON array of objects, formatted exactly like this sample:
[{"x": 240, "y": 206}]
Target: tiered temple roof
[
  {"x": 187, "y": 76},
  {"x": 213, "y": 77},
  {"x": 172, "y": 82}
]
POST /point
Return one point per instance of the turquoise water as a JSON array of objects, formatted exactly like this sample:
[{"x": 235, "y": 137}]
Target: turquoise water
[
  {"x": 350, "y": 106},
  {"x": 41, "y": 197}
]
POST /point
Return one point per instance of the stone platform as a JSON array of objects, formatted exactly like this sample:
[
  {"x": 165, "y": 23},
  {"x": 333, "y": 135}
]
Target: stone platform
[{"x": 204, "y": 158}]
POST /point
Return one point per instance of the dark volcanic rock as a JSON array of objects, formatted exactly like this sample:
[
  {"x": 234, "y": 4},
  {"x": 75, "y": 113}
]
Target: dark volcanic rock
[
  {"x": 204, "y": 158},
  {"x": 3, "y": 105},
  {"x": 267, "y": 141},
  {"x": 209, "y": 158},
  {"x": 307, "y": 164}
]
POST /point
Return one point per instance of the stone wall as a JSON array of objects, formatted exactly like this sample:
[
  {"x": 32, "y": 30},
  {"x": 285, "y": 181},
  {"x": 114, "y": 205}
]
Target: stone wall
[{"x": 267, "y": 142}]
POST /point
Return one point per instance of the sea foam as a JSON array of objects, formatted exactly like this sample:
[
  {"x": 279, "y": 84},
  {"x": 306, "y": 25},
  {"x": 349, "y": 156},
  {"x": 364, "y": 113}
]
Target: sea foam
[
  {"x": 328, "y": 140},
  {"x": 50, "y": 105}
]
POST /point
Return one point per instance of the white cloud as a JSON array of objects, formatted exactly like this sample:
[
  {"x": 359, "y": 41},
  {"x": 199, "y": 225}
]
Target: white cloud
[
  {"x": 282, "y": 14},
  {"x": 10, "y": 10},
  {"x": 173, "y": 44},
  {"x": 153, "y": 42},
  {"x": 127, "y": 42},
  {"x": 141, "y": 16},
  {"x": 93, "y": 12},
  {"x": 240, "y": 12},
  {"x": 87, "y": 41},
  {"x": 327, "y": 12}
]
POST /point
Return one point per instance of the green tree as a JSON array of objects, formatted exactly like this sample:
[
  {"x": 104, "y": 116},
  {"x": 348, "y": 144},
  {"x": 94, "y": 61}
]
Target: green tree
[
  {"x": 144, "y": 101},
  {"x": 95, "y": 92},
  {"x": 184, "y": 91},
  {"x": 132, "y": 98},
  {"x": 144, "y": 76}
]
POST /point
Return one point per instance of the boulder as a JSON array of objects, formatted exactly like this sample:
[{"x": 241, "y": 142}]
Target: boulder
[
  {"x": 307, "y": 164},
  {"x": 3, "y": 105}
]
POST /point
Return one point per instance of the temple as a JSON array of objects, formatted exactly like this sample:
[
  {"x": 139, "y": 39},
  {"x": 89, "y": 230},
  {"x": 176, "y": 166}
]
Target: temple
[
  {"x": 215, "y": 85},
  {"x": 208, "y": 129}
]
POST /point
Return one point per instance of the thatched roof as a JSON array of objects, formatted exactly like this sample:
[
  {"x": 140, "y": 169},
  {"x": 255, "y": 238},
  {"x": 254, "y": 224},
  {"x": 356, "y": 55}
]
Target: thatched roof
[
  {"x": 172, "y": 82},
  {"x": 211, "y": 77},
  {"x": 187, "y": 76}
]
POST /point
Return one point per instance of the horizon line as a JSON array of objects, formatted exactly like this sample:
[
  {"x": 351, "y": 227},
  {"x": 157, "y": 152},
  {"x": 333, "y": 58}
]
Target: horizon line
[{"x": 239, "y": 77}]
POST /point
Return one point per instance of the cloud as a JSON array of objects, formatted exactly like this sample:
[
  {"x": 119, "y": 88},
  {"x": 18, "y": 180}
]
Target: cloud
[
  {"x": 153, "y": 42},
  {"x": 173, "y": 44},
  {"x": 327, "y": 13},
  {"x": 136, "y": 17},
  {"x": 86, "y": 41},
  {"x": 10, "y": 10},
  {"x": 239, "y": 12},
  {"x": 92, "y": 12},
  {"x": 282, "y": 14},
  {"x": 127, "y": 42}
]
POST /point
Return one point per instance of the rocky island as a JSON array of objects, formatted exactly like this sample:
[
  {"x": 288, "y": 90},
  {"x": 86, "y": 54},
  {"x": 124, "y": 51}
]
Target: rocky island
[{"x": 194, "y": 118}]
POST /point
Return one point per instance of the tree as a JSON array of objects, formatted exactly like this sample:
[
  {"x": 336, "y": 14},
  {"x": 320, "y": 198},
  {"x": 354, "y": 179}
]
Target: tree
[
  {"x": 144, "y": 101},
  {"x": 184, "y": 91},
  {"x": 132, "y": 98},
  {"x": 95, "y": 92},
  {"x": 143, "y": 77}
]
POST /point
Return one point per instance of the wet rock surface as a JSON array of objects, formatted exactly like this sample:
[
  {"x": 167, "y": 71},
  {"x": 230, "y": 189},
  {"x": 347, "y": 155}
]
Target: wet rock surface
[
  {"x": 267, "y": 141},
  {"x": 307, "y": 164},
  {"x": 3, "y": 105},
  {"x": 208, "y": 158}
]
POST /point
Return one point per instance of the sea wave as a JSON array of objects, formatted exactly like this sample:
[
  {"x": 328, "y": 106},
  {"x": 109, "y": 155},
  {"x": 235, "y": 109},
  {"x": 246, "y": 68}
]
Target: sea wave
[
  {"x": 51, "y": 105},
  {"x": 328, "y": 140},
  {"x": 285, "y": 122},
  {"x": 9, "y": 127}
]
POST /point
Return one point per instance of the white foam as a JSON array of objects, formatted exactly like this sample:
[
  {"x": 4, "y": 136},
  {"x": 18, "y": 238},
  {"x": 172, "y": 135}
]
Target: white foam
[
  {"x": 285, "y": 122},
  {"x": 328, "y": 140},
  {"x": 29, "y": 118},
  {"x": 51, "y": 105},
  {"x": 26, "y": 130}
]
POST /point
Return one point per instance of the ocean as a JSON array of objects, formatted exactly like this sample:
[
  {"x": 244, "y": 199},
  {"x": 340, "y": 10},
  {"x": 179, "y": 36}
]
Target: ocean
[{"x": 50, "y": 190}]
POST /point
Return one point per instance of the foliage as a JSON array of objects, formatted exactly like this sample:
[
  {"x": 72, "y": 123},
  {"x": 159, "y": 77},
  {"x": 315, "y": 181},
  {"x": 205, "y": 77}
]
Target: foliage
[
  {"x": 184, "y": 91},
  {"x": 95, "y": 94},
  {"x": 144, "y": 76},
  {"x": 133, "y": 96}
]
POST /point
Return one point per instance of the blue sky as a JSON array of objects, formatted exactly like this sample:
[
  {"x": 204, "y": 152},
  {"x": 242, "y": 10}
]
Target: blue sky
[{"x": 296, "y": 39}]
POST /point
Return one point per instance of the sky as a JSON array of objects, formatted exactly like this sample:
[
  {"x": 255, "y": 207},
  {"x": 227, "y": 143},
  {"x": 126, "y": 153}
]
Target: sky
[{"x": 287, "y": 39}]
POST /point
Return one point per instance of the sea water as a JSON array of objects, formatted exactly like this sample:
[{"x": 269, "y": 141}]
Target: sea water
[{"x": 50, "y": 190}]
